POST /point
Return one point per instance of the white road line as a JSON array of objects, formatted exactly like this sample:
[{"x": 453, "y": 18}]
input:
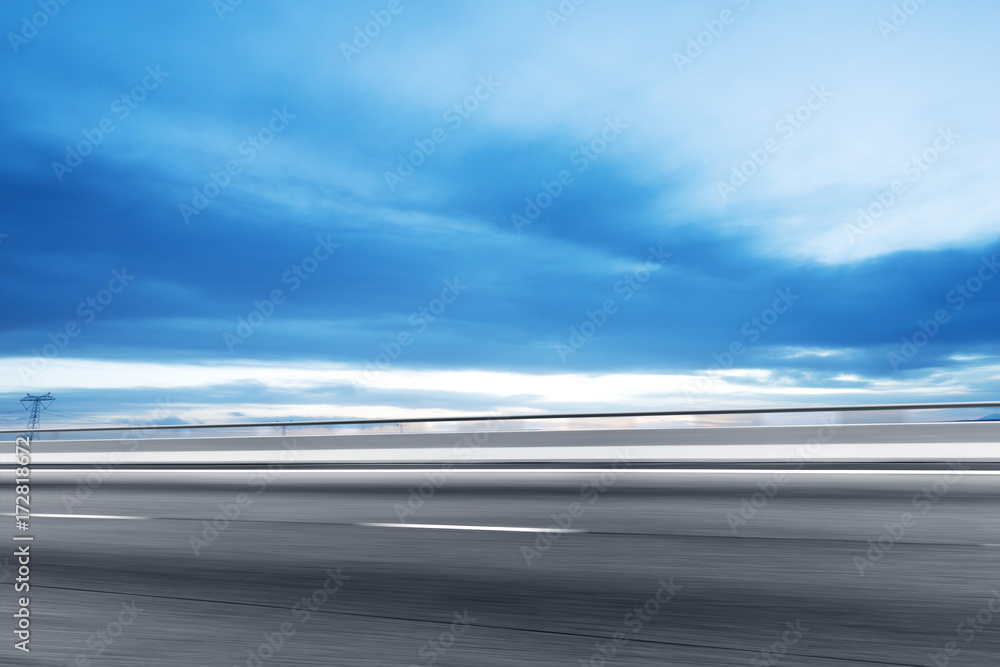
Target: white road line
[
  {"x": 76, "y": 516},
  {"x": 445, "y": 526}
]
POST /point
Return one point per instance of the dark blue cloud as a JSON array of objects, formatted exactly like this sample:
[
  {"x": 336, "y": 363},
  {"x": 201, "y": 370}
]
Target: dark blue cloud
[{"x": 322, "y": 177}]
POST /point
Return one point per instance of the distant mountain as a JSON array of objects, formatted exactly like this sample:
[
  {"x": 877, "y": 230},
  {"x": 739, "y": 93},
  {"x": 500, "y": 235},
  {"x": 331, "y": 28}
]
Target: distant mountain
[{"x": 990, "y": 418}]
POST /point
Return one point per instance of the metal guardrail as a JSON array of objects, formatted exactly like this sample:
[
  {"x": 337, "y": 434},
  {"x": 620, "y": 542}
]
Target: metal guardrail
[{"x": 487, "y": 418}]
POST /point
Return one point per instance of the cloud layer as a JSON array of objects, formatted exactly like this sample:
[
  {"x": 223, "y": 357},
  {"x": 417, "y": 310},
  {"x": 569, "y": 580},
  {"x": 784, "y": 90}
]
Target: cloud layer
[{"x": 474, "y": 206}]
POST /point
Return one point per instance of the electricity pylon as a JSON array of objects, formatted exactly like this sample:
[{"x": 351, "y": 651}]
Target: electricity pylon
[{"x": 35, "y": 404}]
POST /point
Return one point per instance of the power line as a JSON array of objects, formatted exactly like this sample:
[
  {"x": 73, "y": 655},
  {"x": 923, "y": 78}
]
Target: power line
[{"x": 78, "y": 416}]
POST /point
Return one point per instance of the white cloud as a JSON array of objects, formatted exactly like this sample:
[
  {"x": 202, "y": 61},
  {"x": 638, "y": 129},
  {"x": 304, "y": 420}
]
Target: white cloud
[
  {"x": 889, "y": 98},
  {"x": 288, "y": 386}
]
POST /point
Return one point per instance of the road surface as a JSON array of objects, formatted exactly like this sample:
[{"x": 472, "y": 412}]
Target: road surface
[{"x": 527, "y": 564}]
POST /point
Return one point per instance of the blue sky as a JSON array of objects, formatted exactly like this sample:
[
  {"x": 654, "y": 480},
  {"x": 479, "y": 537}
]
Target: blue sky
[{"x": 495, "y": 206}]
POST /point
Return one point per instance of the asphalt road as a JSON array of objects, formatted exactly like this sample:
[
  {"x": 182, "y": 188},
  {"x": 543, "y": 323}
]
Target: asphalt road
[{"x": 661, "y": 557}]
